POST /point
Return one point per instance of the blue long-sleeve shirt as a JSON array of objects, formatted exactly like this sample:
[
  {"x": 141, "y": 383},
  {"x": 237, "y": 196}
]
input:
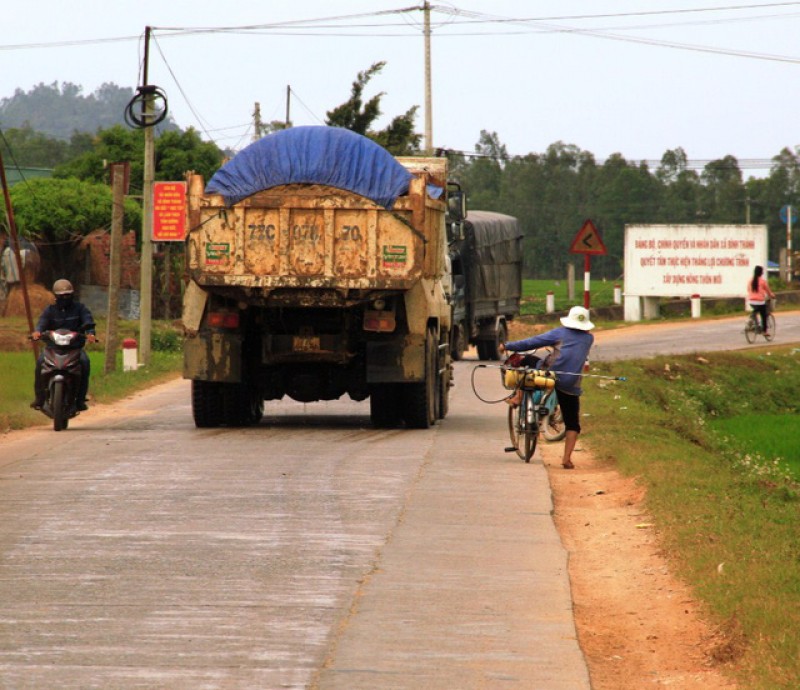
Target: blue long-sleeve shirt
[{"x": 574, "y": 346}]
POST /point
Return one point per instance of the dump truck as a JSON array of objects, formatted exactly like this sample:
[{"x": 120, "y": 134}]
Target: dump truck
[
  {"x": 486, "y": 258},
  {"x": 317, "y": 267}
]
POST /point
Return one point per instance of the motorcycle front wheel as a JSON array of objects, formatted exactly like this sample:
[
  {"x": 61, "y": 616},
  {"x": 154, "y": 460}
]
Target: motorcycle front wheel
[{"x": 60, "y": 418}]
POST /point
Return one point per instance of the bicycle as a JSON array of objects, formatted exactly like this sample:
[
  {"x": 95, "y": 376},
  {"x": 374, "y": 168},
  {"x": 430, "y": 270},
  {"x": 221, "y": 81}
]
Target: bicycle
[
  {"x": 752, "y": 328},
  {"x": 537, "y": 402}
]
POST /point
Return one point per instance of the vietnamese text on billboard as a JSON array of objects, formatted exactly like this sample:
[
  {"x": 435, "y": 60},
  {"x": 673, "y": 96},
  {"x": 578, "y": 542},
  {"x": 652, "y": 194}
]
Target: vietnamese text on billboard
[{"x": 683, "y": 260}]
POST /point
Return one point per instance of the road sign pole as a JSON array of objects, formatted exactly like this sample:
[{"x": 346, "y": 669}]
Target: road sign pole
[
  {"x": 587, "y": 273},
  {"x": 789, "y": 245}
]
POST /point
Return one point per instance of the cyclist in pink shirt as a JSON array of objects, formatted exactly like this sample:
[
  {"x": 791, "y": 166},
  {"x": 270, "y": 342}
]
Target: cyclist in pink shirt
[{"x": 757, "y": 293}]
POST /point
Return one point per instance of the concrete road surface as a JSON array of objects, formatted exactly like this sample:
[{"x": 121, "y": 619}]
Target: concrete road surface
[
  {"x": 311, "y": 551},
  {"x": 688, "y": 336}
]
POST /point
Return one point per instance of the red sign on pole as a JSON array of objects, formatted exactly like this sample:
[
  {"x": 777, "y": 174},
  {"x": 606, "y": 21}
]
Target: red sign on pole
[
  {"x": 587, "y": 241},
  {"x": 169, "y": 211}
]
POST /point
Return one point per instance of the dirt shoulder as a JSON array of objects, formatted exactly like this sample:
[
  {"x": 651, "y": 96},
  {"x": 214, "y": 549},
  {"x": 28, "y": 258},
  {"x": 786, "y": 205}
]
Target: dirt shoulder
[{"x": 638, "y": 626}]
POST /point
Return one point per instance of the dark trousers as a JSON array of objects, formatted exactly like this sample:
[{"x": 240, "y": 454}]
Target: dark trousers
[
  {"x": 570, "y": 410},
  {"x": 762, "y": 312},
  {"x": 83, "y": 385}
]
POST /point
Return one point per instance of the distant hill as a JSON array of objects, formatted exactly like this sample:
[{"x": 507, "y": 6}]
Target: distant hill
[{"x": 61, "y": 110}]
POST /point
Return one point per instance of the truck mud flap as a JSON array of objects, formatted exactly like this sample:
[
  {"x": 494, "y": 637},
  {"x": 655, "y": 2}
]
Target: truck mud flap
[
  {"x": 396, "y": 362},
  {"x": 213, "y": 357}
]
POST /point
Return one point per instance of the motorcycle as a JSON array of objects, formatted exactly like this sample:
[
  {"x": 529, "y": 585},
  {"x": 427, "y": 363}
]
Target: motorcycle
[{"x": 61, "y": 375}]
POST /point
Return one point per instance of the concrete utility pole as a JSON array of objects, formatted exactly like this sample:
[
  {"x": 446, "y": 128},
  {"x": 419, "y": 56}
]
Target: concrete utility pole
[
  {"x": 428, "y": 100},
  {"x": 115, "y": 264},
  {"x": 146, "y": 285},
  {"x": 258, "y": 126},
  {"x": 288, "y": 105}
]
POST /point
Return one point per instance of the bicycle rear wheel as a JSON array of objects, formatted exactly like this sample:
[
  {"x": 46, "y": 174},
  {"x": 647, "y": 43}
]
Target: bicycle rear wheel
[
  {"x": 553, "y": 428},
  {"x": 770, "y": 334},
  {"x": 750, "y": 330}
]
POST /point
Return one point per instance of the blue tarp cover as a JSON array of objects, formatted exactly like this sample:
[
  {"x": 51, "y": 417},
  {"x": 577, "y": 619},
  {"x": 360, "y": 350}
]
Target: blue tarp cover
[{"x": 312, "y": 155}]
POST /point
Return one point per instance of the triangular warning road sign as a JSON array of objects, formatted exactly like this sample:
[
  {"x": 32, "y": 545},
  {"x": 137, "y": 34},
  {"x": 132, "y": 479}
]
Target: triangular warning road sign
[{"x": 588, "y": 240}]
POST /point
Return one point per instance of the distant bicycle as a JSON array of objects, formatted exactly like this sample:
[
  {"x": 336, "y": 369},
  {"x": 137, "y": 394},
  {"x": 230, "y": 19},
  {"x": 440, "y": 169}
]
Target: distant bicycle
[{"x": 752, "y": 329}]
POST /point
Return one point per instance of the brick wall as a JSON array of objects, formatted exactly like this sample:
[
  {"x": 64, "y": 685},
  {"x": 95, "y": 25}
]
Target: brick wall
[{"x": 96, "y": 248}]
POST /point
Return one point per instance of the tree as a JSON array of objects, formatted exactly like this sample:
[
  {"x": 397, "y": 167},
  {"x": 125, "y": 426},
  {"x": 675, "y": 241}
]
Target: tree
[
  {"x": 723, "y": 191},
  {"x": 358, "y": 116},
  {"x": 58, "y": 211},
  {"x": 175, "y": 154},
  {"x": 57, "y": 214}
]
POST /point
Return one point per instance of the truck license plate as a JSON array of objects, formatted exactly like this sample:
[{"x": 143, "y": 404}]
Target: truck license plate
[{"x": 302, "y": 343}]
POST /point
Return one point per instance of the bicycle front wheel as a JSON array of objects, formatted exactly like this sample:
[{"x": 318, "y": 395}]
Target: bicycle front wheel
[
  {"x": 770, "y": 334},
  {"x": 750, "y": 330},
  {"x": 529, "y": 430},
  {"x": 523, "y": 427}
]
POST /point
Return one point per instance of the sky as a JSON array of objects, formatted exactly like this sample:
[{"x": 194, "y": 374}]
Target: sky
[{"x": 608, "y": 76}]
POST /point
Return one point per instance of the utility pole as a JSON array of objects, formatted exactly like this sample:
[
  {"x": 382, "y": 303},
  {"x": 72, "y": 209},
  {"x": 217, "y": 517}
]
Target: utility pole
[
  {"x": 15, "y": 247},
  {"x": 428, "y": 101},
  {"x": 258, "y": 125},
  {"x": 288, "y": 104},
  {"x": 115, "y": 264},
  {"x": 146, "y": 285}
]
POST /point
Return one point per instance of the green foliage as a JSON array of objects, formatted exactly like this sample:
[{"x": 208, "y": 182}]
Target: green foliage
[
  {"x": 179, "y": 152},
  {"x": 166, "y": 339},
  {"x": 358, "y": 116},
  {"x": 115, "y": 144},
  {"x": 176, "y": 153},
  {"x": 553, "y": 193},
  {"x": 56, "y": 211}
]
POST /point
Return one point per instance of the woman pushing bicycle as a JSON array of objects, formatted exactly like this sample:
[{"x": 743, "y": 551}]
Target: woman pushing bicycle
[
  {"x": 573, "y": 341},
  {"x": 757, "y": 293}
]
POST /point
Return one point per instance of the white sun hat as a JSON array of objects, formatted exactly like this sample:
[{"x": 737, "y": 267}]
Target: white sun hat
[{"x": 578, "y": 317}]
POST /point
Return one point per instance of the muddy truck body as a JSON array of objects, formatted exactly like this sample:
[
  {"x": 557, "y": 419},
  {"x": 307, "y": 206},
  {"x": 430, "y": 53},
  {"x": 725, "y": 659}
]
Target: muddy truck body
[
  {"x": 486, "y": 258},
  {"x": 316, "y": 268}
]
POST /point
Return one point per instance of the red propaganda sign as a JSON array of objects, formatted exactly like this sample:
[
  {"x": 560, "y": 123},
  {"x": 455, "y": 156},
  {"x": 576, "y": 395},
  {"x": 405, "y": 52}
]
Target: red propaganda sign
[
  {"x": 169, "y": 211},
  {"x": 587, "y": 241}
]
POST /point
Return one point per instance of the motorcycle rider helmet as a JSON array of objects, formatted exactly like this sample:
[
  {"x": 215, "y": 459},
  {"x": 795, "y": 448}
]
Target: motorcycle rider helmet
[{"x": 62, "y": 287}]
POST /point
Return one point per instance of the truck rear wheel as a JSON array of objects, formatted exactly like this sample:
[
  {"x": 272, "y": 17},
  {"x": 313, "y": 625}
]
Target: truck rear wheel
[
  {"x": 421, "y": 399},
  {"x": 207, "y": 404},
  {"x": 459, "y": 343},
  {"x": 242, "y": 405},
  {"x": 384, "y": 405},
  {"x": 488, "y": 347}
]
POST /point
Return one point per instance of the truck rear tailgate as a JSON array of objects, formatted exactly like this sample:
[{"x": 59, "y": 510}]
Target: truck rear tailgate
[{"x": 303, "y": 236}]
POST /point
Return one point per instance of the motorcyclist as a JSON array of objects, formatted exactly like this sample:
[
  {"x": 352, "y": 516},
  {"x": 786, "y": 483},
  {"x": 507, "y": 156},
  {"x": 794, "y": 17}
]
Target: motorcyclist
[{"x": 74, "y": 316}]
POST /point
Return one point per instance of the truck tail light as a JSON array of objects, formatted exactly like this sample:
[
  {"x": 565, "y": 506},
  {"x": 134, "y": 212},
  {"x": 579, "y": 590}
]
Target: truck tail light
[
  {"x": 223, "y": 319},
  {"x": 379, "y": 321}
]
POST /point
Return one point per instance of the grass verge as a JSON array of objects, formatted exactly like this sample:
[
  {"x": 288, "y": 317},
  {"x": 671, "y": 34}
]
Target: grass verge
[
  {"x": 728, "y": 517},
  {"x": 18, "y": 366}
]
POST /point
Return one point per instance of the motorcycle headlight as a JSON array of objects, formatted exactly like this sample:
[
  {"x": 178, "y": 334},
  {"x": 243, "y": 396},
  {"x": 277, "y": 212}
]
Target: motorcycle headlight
[{"x": 62, "y": 339}]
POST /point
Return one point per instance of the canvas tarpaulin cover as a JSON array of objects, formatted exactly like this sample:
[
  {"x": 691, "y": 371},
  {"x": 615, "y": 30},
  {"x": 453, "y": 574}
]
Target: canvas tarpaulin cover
[
  {"x": 312, "y": 155},
  {"x": 494, "y": 241}
]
